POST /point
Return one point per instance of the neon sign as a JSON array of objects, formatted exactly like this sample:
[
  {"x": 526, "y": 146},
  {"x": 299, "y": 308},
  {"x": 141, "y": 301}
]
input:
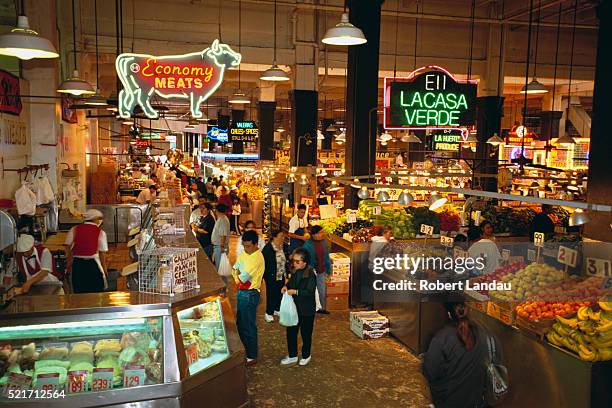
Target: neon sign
[
  {"x": 195, "y": 76},
  {"x": 245, "y": 131},
  {"x": 449, "y": 140},
  {"x": 217, "y": 133},
  {"x": 429, "y": 98},
  {"x": 519, "y": 135}
]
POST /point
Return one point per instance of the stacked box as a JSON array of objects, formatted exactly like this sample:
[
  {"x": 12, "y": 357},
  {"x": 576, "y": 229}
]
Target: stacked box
[
  {"x": 336, "y": 302},
  {"x": 369, "y": 324},
  {"x": 341, "y": 265}
]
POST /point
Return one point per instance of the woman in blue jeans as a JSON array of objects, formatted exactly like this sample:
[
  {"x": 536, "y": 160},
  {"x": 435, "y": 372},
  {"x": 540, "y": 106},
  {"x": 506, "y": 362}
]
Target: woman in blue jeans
[{"x": 318, "y": 253}]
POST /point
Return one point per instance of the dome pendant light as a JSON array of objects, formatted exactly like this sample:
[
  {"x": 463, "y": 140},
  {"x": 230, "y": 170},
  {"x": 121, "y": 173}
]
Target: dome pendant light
[
  {"x": 75, "y": 85},
  {"x": 274, "y": 73},
  {"x": 495, "y": 140},
  {"x": 534, "y": 87},
  {"x": 25, "y": 43},
  {"x": 344, "y": 33},
  {"x": 239, "y": 97}
]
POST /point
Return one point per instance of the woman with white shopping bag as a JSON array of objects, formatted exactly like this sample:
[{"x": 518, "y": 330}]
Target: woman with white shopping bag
[{"x": 301, "y": 285}]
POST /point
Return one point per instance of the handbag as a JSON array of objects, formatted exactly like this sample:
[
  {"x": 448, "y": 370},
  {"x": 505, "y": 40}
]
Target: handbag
[
  {"x": 497, "y": 385},
  {"x": 288, "y": 311},
  {"x": 225, "y": 268}
]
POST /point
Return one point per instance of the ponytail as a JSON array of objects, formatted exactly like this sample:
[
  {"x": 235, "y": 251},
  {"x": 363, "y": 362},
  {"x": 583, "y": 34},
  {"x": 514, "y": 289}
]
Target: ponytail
[{"x": 465, "y": 329}]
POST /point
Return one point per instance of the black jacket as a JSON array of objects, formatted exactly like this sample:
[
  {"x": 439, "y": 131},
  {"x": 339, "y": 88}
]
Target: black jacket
[
  {"x": 207, "y": 224},
  {"x": 305, "y": 299},
  {"x": 269, "y": 255}
]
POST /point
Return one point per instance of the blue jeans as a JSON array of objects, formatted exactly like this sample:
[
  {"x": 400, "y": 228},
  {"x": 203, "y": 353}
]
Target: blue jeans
[
  {"x": 322, "y": 288},
  {"x": 246, "y": 320}
]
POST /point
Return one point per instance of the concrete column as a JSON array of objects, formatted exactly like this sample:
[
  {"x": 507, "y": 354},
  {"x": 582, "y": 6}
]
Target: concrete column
[
  {"x": 362, "y": 94},
  {"x": 266, "y": 130},
  {"x": 304, "y": 127},
  {"x": 489, "y": 111},
  {"x": 600, "y": 154},
  {"x": 549, "y": 124}
]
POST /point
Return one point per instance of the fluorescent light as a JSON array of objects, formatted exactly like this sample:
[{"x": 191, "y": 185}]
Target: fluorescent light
[
  {"x": 76, "y": 86},
  {"x": 344, "y": 33},
  {"x": 534, "y": 87},
  {"x": 71, "y": 325},
  {"x": 274, "y": 73},
  {"x": 25, "y": 43}
]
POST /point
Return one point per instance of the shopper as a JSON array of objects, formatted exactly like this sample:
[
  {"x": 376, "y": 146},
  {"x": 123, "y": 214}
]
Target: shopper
[
  {"x": 201, "y": 186},
  {"x": 301, "y": 285},
  {"x": 455, "y": 363},
  {"x": 210, "y": 187},
  {"x": 274, "y": 275},
  {"x": 297, "y": 228},
  {"x": 484, "y": 247},
  {"x": 202, "y": 224},
  {"x": 235, "y": 220},
  {"x": 35, "y": 266},
  {"x": 319, "y": 259},
  {"x": 147, "y": 195},
  {"x": 220, "y": 236},
  {"x": 248, "y": 272},
  {"x": 224, "y": 198},
  {"x": 542, "y": 222},
  {"x": 86, "y": 246},
  {"x": 250, "y": 226},
  {"x": 246, "y": 208}
]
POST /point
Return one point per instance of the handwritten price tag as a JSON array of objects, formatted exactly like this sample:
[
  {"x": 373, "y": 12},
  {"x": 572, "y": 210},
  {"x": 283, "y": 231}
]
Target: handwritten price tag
[
  {"x": 505, "y": 253},
  {"x": 376, "y": 210},
  {"x": 133, "y": 376},
  {"x": 538, "y": 239},
  {"x": 192, "y": 353},
  {"x": 17, "y": 382},
  {"x": 47, "y": 382},
  {"x": 102, "y": 379},
  {"x": 427, "y": 229},
  {"x": 351, "y": 217},
  {"x": 447, "y": 241},
  {"x": 567, "y": 256},
  {"x": 599, "y": 267},
  {"x": 77, "y": 381}
]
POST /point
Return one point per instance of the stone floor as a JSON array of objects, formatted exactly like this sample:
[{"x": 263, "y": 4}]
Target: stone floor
[{"x": 345, "y": 371}]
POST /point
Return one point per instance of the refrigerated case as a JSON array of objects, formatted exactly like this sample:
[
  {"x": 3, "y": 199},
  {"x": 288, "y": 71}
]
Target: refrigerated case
[{"x": 123, "y": 349}]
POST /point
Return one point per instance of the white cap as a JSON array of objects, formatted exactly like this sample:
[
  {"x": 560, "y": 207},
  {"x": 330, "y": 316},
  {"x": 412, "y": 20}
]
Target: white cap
[
  {"x": 25, "y": 242},
  {"x": 92, "y": 214}
]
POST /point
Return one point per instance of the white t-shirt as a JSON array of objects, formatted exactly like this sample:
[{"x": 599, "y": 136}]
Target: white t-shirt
[
  {"x": 102, "y": 242},
  {"x": 487, "y": 249},
  {"x": 195, "y": 216},
  {"x": 145, "y": 196},
  {"x": 296, "y": 223},
  {"x": 222, "y": 229}
]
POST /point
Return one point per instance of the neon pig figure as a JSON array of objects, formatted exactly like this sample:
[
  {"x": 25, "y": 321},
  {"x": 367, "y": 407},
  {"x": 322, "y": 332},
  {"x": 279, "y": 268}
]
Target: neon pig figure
[{"x": 194, "y": 76}]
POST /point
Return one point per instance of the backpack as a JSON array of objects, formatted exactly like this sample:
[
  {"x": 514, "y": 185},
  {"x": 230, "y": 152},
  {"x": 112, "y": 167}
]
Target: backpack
[{"x": 497, "y": 382}]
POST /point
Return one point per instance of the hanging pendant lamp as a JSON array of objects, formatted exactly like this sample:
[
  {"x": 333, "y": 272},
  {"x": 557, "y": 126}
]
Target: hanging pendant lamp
[
  {"x": 344, "y": 33},
  {"x": 410, "y": 138},
  {"x": 75, "y": 85},
  {"x": 96, "y": 99},
  {"x": 274, "y": 73},
  {"x": 534, "y": 87},
  {"x": 239, "y": 97},
  {"x": 495, "y": 140},
  {"x": 24, "y": 43}
]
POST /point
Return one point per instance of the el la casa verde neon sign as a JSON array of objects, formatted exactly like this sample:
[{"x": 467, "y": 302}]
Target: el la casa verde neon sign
[
  {"x": 429, "y": 98},
  {"x": 195, "y": 76}
]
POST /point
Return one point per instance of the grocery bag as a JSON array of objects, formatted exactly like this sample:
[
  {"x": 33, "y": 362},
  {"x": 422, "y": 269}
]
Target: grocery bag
[
  {"x": 225, "y": 268},
  {"x": 497, "y": 385},
  {"x": 288, "y": 311},
  {"x": 317, "y": 300}
]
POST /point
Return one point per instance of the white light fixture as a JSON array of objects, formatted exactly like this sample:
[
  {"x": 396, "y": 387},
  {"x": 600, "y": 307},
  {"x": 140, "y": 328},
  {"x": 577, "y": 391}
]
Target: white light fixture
[
  {"x": 274, "y": 73},
  {"x": 320, "y": 135},
  {"x": 331, "y": 128},
  {"x": 385, "y": 137},
  {"x": 578, "y": 217},
  {"x": 76, "y": 86},
  {"x": 383, "y": 196},
  {"x": 355, "y": 183},
  {"x": 303, "y": 180},
  {"x": 191, "y": 124},
  {"x": 341, "y": 137},
  {"x": 495, "y": 140},
  {"x": 383, "y": 143},
  {"x": 534, "y": 87},
  {"x": 471, "y": 138},
  {"x": 566, "y": 140},
  {"x": 239, "y": 98},
  {"x": 280, "y": 129},
  {"x": 410, "y": 138},
  {"x": 363, "y": 193},
  {"x": 96, "y": 100},
  {"x": 436, "y": 201},
  {"x": 128, "y": 122},
  {"x": 344, "y": 33},
  {"x": 405, "y": 198},
  {"x": 25, "y": 43}
]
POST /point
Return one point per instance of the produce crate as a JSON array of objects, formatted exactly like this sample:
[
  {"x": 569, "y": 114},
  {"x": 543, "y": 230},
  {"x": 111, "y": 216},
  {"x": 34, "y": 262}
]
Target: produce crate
[
  {"x": 336, "y": 302},
  {"x": 502, "y": 311},
  {"x": 337, "y": 286},
  {"x": 538, "y": 328},
  {"x": 369, "y": 324},
  {"x": 478, "y": 305}
]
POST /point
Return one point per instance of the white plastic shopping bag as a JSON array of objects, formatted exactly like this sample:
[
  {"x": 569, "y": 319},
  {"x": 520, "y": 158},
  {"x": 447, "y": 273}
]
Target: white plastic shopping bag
[
  {"x": 317, "y": 300},
  {"x": 225, "y": 268},
  {"x": 288, "y": 311}
]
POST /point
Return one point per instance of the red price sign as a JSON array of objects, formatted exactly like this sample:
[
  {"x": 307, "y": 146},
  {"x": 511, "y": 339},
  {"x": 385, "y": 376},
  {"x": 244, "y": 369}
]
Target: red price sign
[
  {"x": 102, "y": 379},
  {"x": 599, "y": 267},
  {"x": 77, "y": 381},
  {"x": 47, "y": 382},
  {"x": 192, "y": 353},
  {"x": 133, "y": 376},
  {"x": 17, "y": 382}
]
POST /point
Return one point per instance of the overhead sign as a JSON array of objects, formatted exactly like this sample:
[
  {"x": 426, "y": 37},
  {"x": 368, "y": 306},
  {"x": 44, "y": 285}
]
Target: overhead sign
[
  {"x": 519, "y": 135},
  {"x": 10, "y": 99},
  {"x": 429, "y": 98},
  {"x": 245, "y": 131},
  {"x": 448, "y": 140},
  {"x": 216, "y": 133},
  {"x": 194, "y": 76}
]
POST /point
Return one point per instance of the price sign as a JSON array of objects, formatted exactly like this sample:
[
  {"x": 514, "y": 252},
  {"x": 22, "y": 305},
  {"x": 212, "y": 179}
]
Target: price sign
[
  {"x": 447, "y": 241},
  {"x": 531, "y": 255},
  {"x": 351, "y": 217},
  {"x": 133, "y": 376},
  {"x": 505, "y": 253},
  {"x": 192, "y": 353},
  {"x": 459, "y": 253},
  {"x": 567, "y": 256},
  {"x": 17, "y": 382},
  {"x": 47, "y": 382},
  {"x": 102, "y": 379},
  {"x": 599, "y": 267},
  {"x": 376, "y": 210},
  {"x": 538, "y": 239},
  {"x": 427, "y": 229},
  {"x": 607, "y": 283},
  {"x": 77, "y": 381}
]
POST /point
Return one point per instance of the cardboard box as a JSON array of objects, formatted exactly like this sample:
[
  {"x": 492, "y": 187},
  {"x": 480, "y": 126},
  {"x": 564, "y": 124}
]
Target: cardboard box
[
  {"x": 337, "y": 286},
  {"x": 336, "y": 302},
  {"x": 339, "y": 257},
  {"x": 369, "y": 334},
  {"x": 369, "y": 320}
]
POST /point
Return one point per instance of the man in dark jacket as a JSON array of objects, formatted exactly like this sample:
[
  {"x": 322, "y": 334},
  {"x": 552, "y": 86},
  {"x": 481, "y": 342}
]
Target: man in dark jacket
[
  {"x": 319, "y": 260},
  {"x": 275, "y": 272}
]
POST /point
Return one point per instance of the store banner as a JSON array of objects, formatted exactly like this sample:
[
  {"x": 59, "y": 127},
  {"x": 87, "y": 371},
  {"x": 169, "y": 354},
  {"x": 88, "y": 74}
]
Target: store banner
[
  {"x": 430, "y": 98},
  {"x": 10, "y": 96},
  {"x": 446, "y": 140},
  {"x": 244, "y": 131}
]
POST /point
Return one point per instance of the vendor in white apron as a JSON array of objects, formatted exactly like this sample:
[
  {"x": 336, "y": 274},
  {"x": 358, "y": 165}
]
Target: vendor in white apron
[
  {"x": 35, "y": 265},
  {"x": 86, "y": 246}
]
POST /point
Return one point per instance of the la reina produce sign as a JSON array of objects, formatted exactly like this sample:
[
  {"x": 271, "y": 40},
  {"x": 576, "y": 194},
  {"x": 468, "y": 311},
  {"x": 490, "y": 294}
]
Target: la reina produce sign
[
  {"x": 246, "y": 131},
  {"x": 195, "y": 76},
  {"x": 430, "y": 98}
]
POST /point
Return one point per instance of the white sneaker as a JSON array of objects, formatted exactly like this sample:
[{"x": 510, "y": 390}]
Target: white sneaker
[
  {"x": 268, "y": 318},
  {"x": 276, "y": 313},
  {"x": 305, "y": 361},
  {"x": 289, "y": 360}
]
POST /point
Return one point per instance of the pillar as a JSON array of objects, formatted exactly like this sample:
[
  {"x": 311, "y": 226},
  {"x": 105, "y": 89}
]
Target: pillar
[
  {"x": 600, "y": 154},
  {"x": 489, "y": 113},
  {"x": 362, "y": 94},
  {"x": 237, "y": 116},
  {"x": 549, "y": 124},
  {"x": 304, "y": 132},
  {"x": 266, "y": 130}
]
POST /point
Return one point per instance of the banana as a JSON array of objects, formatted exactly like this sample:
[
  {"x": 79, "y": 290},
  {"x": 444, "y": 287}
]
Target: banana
[
  {"x": 605, "y": 353},
  {"x": 607, "y": 306},
  {"x": 604, "y": 327},
  {"x": 572, "y": 323},
  {"x": 562, "y": 330},
  {"x": 553, "y": 337},
  {"x": 587, "y": 327},
  {"x": 586, "y": 354},
  {"x": 595, "y": 316},
  {"x": 601, "y": 344},
  {"x": 583, "y": 313}
]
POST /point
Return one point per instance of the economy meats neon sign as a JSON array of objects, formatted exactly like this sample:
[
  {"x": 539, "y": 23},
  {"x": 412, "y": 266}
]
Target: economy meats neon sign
[
  {"x": 429, "y": 98},
  {"x": 195, "y": 76}
]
